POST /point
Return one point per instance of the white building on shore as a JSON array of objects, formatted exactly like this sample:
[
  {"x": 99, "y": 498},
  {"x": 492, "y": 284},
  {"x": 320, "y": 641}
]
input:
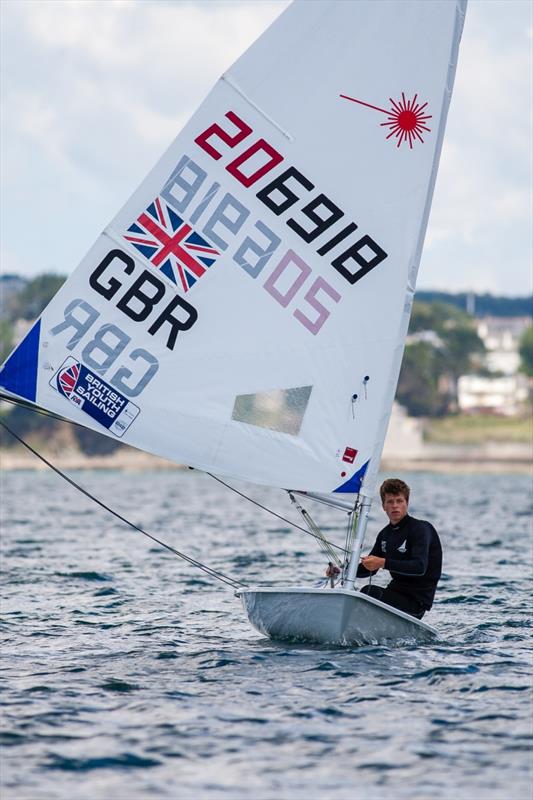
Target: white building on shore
[
  {"x": 501, "y": 336},
  {"x": 505, "y": 392},
  {"x": 504, "y": 395}
]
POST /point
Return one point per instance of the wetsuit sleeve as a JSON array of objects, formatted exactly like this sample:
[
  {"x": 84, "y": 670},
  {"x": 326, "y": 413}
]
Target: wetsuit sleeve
[
  {"x": 419, "y": 540},
  {"x": 362, "y": 572}
]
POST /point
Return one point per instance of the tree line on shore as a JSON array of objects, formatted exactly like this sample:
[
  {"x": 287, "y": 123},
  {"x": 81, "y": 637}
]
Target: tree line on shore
[{"x": 442, "y": 345}]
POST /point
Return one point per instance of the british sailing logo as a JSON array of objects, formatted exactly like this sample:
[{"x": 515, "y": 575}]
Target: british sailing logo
[
  {"x": 406, "y": 119},
  {"x": 171, "y": 245},
  {"x": 94, "y": 396}
]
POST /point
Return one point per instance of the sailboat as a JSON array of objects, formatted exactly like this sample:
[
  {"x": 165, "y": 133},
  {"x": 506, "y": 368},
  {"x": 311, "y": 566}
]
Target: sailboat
[{"x": 245, "y": 312}]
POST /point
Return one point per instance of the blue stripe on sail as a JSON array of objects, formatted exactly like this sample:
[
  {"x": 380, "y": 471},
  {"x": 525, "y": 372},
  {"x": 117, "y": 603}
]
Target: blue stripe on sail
[
  {"x": 353, "y": 484},
  {"x": 206, "y": 261},
  {"x": 19, "y": 373}
]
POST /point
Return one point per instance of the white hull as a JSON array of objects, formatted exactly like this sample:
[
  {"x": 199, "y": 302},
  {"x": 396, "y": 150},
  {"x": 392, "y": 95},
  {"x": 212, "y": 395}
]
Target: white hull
[{"x": 329, "y": 616}]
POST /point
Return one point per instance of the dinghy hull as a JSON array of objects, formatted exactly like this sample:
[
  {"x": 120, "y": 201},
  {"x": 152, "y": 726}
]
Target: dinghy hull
[{"x": 329, "y": 616}]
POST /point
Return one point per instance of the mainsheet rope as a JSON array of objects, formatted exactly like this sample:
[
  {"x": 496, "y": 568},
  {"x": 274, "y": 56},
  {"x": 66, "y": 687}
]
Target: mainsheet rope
[
  {"x": 321, "y": 539},
  {"x": 212, "y": 572},
  {"x": 51, "y": 414}
]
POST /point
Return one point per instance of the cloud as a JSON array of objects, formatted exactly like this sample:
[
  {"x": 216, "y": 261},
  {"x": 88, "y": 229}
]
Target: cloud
[
  {"x": 135, "y": 68},
  {"x": 480, "y": 227},
  {"x": 93, "y": 92}
]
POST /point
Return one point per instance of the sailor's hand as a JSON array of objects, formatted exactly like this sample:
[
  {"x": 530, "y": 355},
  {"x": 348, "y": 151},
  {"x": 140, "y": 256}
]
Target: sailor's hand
[
  {"x": 332, "y": 570},
  {"x": 372, "y": 563}
]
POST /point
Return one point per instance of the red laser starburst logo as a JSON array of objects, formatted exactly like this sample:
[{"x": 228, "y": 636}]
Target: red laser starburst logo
[{"x": 405, "y": 119}]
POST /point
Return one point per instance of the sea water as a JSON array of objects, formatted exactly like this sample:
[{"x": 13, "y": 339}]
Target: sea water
[{"x": 128, "y": 673}]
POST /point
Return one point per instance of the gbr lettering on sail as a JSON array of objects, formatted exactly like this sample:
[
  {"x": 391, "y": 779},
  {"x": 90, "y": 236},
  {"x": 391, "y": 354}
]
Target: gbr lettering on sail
[{"x": 288, "y": 198}]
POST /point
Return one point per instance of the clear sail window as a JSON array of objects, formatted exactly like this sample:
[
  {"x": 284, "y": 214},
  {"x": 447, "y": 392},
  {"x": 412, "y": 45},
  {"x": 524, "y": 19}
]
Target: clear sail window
[{"x": 278, "y": 409}]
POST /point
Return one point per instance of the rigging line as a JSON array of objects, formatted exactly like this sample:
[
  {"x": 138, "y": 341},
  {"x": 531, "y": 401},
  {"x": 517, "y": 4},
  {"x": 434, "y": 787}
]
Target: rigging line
[
  {"x": 41, "y": 411},
  {"x": 44, "y": 413},
  {"x": 323, "y": 542},
  {"x": 284, "y": 519},
  {"x": 313, "y": 527},
  {"x": 212, "y": 572}
]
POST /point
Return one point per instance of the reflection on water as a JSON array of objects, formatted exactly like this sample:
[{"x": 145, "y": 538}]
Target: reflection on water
[{"x": 128, "y": 673}]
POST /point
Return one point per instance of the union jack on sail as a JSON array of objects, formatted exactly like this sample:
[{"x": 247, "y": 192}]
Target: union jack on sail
[
  {"x": 171, "y": 245},
  {"x": 68, "y": 378}
]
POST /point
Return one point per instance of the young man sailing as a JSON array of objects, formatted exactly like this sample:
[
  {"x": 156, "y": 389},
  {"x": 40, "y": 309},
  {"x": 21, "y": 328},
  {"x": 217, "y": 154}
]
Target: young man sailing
[{"x": 410, "y": 549}]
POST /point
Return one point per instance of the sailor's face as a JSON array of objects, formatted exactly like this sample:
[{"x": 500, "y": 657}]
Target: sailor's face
[{"x": 395, "y": 507}]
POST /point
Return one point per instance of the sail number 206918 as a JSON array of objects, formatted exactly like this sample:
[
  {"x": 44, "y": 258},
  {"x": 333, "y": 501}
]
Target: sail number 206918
[
  {"x": 286, "y": 194},
  {"x": 319, "y": 214}
]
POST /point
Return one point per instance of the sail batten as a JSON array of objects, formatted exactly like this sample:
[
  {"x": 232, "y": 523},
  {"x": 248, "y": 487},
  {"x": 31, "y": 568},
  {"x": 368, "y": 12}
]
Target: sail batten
[
  {"x": 245, "y": 312},
  {"x": 231, "y": 82}
]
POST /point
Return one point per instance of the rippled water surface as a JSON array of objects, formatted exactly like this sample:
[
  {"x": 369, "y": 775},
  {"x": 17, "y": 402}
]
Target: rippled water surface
[{"x": 129, "y": 674}]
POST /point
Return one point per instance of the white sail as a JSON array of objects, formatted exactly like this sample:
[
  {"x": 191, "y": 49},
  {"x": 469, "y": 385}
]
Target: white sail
[{"x": 245, "y": 312}]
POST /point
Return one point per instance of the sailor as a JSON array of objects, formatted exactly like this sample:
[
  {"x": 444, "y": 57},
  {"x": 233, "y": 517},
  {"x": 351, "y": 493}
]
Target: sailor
[{"x": 410, "y": 549}]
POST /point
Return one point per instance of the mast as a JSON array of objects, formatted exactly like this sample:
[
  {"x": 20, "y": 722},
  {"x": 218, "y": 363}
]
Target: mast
[{"x": 363, "y": 512}]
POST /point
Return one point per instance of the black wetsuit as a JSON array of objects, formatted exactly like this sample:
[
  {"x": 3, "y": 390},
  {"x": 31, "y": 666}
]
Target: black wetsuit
[{"x": 413, "y": 556}]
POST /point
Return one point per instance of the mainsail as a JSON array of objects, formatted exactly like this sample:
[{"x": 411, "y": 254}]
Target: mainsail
[{"x": 245, "y": 312}]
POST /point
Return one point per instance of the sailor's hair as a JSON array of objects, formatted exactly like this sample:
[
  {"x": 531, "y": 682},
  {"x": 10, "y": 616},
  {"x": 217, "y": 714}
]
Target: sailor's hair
[{"x": 394, "y": 486}]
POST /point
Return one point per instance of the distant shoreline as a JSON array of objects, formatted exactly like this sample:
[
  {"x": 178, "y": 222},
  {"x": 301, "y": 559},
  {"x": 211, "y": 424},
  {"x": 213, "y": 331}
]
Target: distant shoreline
[
  {"x": 123, "y": 460},
  {"x": 462, "y": 467},
  {"x": 135, "y": 461}
]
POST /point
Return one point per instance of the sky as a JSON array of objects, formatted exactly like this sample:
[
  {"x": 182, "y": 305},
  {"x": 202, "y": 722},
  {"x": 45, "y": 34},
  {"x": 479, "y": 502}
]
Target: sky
[{"x": 93, "y": 91}]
